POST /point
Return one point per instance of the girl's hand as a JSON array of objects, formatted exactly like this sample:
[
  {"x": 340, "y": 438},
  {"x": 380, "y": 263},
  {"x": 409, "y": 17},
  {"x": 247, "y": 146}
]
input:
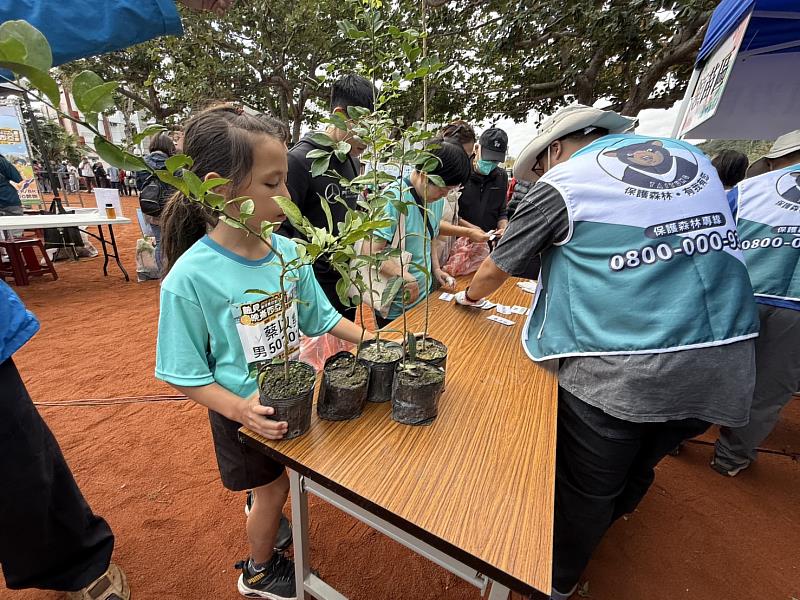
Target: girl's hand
[
  {"x": 445, "y": 280},
  {"x": 410, "y": 289},
  {"x": 478, "y": 235},
  {"x": 254, "y": 416}
]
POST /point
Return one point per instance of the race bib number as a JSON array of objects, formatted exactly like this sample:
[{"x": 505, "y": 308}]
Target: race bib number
[{"x": 261, "y": 328}]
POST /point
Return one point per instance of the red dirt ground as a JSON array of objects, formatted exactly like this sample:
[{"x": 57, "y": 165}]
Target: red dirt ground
[{"x": 149, "y": 469}]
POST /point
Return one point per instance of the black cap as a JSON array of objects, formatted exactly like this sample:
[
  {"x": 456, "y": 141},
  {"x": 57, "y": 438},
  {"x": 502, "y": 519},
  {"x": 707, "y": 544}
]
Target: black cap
[{"x": 494, "y": 144}]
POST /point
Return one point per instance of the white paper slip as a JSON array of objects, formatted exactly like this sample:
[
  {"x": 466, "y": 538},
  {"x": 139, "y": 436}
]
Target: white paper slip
[
  {"x": 518, "y": 310},
  {"x": 527, "y": 286},
  {"x": 503, "y": 309},
  {"x": 446, "y": 297},
  {"x": 487, "y": 305},
  {"x": 500, "y": 320}
]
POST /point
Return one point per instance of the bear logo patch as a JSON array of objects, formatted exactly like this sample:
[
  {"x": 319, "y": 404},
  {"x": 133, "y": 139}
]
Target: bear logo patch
[{"x": 650, "y": 165}]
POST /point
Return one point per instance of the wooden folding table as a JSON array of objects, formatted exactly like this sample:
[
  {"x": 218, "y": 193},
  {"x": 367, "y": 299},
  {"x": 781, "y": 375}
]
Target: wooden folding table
[{"x": 473, "y": 491}]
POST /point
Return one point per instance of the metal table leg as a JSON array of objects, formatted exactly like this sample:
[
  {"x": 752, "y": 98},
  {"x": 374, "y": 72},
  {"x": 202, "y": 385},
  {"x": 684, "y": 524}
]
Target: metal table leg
[
  {"x": 113, "y": 243},
  {"x": 499, "y": 592},
  {"x": 116, "y": 252}
]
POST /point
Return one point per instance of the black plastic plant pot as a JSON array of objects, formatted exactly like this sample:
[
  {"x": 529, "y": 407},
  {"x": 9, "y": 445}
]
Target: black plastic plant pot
[
  {"x": 292, "y": 400},
  {"x": 432, "y": 351},
  {"x": 381, "y": 363},
  {"x": 343, "y": 393},
  {"x": 416, "y": 391}
]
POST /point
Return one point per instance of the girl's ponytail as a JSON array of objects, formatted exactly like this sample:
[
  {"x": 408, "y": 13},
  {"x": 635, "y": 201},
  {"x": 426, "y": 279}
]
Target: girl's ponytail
[{"x": 183, "y": 222}]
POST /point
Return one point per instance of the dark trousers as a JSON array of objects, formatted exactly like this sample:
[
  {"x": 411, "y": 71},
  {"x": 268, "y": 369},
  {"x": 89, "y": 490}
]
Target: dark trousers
[
  {"x": 49, "y": 537},
  {"x": 604, "y": 467}
]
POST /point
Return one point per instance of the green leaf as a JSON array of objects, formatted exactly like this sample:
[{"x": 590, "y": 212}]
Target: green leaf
[
  {"x": 92, "y": 94},
  {"x": 317, "y": 153},
  {"x": 257, "y": 291},
  {"x": 215, "y": 201},
  {"x": 436, "y": 180},
  {"x": 290, "y": 209},
  {"x": 214, "y": 182},
  {"x": 231, "y": 222},
  {"x": 343, "y": 291},
  {"x": 357, "y": 112},
  {"x": 194, "y": 183},
  {"x": 40, "y": 80},
  {"x": 321, "y": 139},
  {"x": 400, "y": 206},
  {"x": 320, "y": 166},
  {"x": 266, "y": 229},
  {"x": 22, "y": 44},
  {"x": 116, "y": 156},
  {"x": 247, "y": 208},
  {"x": 148, "y": 131},
  {"x": 179, "y": 161},
  {"x": 391, "y": 290},
  {"x": 177, "y": 182},
  {"x": 343, "y": 147},
  {"x": 25, "y": 51},
  {"x": 338, "y": 121},
  {"x": 326, "y": 208}
]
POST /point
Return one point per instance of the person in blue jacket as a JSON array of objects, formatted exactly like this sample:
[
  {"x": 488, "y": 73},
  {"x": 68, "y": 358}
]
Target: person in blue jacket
[{"x": 50, "y": 537}]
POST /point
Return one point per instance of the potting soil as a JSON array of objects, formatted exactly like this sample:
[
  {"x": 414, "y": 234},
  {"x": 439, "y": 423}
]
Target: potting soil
[
  {"x": 275, "y": 385},
  {"x": 340, "y": 372}
]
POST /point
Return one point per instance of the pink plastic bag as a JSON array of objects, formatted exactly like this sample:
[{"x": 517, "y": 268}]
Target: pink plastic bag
[
  {"x": 466, "y": 256},
  {"x": 316, "y": 350}
]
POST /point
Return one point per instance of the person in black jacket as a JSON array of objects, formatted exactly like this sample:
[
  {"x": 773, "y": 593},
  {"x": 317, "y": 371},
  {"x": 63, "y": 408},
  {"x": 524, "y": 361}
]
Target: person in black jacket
[
  {"x": 307, "y": 191},
  {"x": 483, "y": 199}
]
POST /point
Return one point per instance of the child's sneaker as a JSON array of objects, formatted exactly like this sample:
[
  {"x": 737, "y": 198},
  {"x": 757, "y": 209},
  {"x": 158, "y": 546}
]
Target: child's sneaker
[
  {"x": 728, "y": 472},
  {"x": 275, "y": 581},
  {"x": 284, "y": 538},
  {"x": 111, "y": 585}
]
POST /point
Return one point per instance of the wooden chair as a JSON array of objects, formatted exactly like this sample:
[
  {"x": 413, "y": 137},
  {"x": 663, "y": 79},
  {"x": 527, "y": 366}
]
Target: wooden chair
[{"x": 22, "y": 260}]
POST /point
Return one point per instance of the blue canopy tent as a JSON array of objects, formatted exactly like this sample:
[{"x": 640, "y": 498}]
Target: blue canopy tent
[{"x": 759, "y": 98}]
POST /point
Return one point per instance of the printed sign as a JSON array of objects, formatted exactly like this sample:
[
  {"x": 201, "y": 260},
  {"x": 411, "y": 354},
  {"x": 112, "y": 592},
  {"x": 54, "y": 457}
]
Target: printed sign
[
  {"x": 261, "y": 331},
  {"x": 713, "y": 78},
  {"x": 14, "y": 146}
]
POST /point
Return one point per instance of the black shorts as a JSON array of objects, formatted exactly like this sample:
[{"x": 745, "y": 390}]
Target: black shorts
[{"x": 241, "y": 467}]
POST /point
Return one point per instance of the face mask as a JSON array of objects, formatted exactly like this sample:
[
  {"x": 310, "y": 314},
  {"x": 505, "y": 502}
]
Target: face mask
[{"x": 484, "y": 167}]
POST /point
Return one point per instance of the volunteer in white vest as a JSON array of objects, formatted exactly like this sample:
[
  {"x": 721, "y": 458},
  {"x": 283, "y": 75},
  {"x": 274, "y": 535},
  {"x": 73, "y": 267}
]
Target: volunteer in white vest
[
  {"x": 768, "y": 216},
  {"x": 644, "y": 299}
]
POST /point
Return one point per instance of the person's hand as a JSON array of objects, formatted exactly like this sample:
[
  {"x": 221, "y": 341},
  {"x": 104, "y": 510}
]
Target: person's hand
[
  {"x": 254, "y": 416},
  {"x": 218, "y": 7},
  {"x": 410, "y": 289},
  {"x": 478, "y": 235},
  {"x": 461, "y": 298},
  {"x": 498, "y": 233},
  {"x": 445, "y": 280}
]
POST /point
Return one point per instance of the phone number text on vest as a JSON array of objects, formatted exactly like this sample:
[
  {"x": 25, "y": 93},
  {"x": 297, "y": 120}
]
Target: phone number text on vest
[{"x": 701, "y": 243}]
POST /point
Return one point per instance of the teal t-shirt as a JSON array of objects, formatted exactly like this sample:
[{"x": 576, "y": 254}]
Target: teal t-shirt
[
  {"x": 416, "y": 233},
  {"x": 209, "y": 329}
]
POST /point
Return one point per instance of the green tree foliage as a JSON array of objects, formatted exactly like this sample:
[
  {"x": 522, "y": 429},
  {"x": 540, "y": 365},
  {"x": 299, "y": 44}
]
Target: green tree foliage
[
  {"x": 56, "y": 143},
  {"x": 537, "y": 54},
  {"x": 503, "y": 57},
  {"x": 753, "y": 149}
]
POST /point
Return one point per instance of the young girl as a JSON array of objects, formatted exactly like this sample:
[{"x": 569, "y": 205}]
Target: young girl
[
  {"x": 454, "y": 169},
  {"x": 210, "y": 329}
]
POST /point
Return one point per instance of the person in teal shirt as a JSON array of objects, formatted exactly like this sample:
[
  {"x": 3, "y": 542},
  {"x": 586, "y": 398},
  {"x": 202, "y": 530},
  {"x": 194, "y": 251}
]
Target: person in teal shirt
[
  {"x": 414, "y": 191},
  {"x": 211, "y": 332}
]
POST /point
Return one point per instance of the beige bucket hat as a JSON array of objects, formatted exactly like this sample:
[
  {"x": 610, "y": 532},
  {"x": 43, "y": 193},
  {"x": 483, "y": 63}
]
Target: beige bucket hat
[
  {"x": 565, "y": 121},
  {"x": 786, "y": 144}
]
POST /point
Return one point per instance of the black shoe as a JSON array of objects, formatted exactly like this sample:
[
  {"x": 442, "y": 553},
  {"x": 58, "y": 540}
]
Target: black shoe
[
  {"x": 275, "y": 582},
  {"x": 284, "y": 538}
]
